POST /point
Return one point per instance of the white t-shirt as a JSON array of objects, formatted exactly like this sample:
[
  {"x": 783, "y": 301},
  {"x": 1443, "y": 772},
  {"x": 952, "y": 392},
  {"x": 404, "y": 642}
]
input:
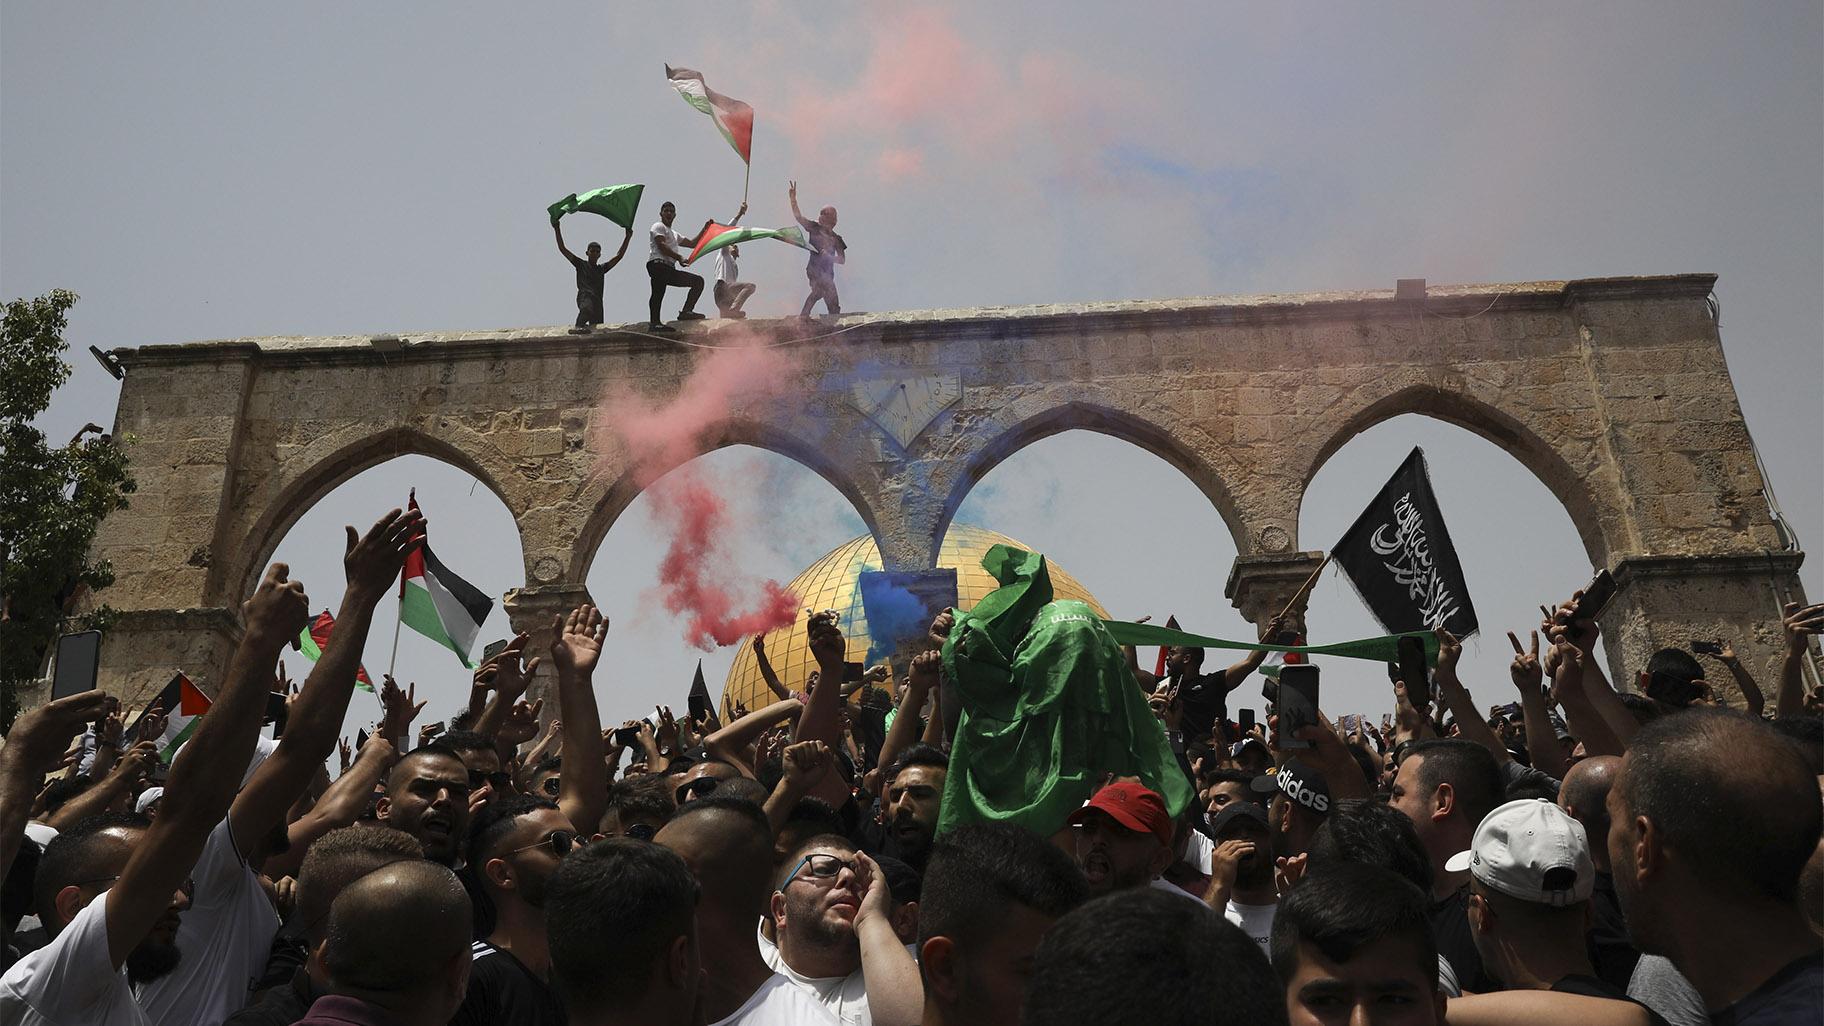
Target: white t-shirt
[
  {"x": 1197, "y": 850},
  {"x": 726, "y": 268},
  {"x": 779, "y": 1003},
  {"x": 225, "y": 936},
  {"x": 662, "y": 232},
  {"x": 1255, "y": 920},
  {"x": 71, "y": 981},
  {"x": 845, "y": 997}
]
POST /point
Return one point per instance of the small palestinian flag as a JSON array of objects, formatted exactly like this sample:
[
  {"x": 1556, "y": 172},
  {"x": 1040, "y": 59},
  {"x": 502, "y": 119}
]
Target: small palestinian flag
[
  {"x": 1171, "y": 622},
  {"x": 438, "y": 604},
  {"x": 715, "y": 236},
  {"x": 184, "y": 704},
  {"x": 734, "y": 118},
  {"x": 315, "y": 637}
]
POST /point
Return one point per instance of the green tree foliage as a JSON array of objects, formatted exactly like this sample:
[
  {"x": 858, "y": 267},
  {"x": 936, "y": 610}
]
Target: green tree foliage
[{"x": 52, "y": 499}]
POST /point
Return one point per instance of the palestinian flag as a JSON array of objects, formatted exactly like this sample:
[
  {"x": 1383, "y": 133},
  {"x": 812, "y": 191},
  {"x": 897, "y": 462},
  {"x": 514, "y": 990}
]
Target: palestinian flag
[
  {"x": 184, "y": 704},
  {"x": 734, "y": 118},
  {"x": 440, "y": 605},
  {"x": 617, "y": 203},
  {"x": 715, "y": 236},
  {"x": 315, "y": 637},
  {"x": 1159, "y": 666}
]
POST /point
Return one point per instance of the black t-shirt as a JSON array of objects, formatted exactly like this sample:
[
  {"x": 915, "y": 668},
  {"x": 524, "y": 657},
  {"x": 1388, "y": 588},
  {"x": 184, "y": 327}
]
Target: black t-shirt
[
  {"x": 503, "y": 992},
  {"x": 589, "y": 277},
  {"x": 1590, "y": 986},
  {"x": 1450, "y": 931},
  {"x": 1612, "y": 951},
  {"x": 1203, "y": 697},
  {"x": 825, "y": 244},
  {"x": 1790, "y": 997}
]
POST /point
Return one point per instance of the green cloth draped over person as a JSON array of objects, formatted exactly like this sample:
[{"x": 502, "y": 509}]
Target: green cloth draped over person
[{"x": 1048, "y": 706}]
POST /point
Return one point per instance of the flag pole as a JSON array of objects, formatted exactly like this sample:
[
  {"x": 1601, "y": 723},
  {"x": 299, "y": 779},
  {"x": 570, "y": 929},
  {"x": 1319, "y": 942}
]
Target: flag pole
[
  {"x": 393, "y": 663},
  {"x": 1305, "y": 588},
  {"x": 745, "y": 179}
]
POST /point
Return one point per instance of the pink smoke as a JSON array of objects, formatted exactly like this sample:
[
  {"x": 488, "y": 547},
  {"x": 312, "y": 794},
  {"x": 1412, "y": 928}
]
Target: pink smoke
[{"x": 654, "y": 442}]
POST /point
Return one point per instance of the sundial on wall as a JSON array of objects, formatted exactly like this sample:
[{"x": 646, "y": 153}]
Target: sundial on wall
[{"x": 904, "y": 407}]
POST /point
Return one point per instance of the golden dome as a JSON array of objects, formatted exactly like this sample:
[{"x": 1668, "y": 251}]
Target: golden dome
[{"x": 832, "y": 583}]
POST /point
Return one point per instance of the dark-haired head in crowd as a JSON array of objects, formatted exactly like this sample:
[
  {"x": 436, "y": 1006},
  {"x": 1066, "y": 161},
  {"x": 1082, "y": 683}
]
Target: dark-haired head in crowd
[
  {"x": 1352, "y": 944},
  {"x": 396, "y": 948},
  {"x": 622, "y": 920},
  {"x": 1712, "y": 820},
  {"x": 1300, "y": 801},
  {"x": 638, "y": 806},
  {"x": 1143, "y": 957},
  {"x": 991, "y": 891},
  {"x": 728, "y": 846},
  {"x": 515, "y": 846},
  {"x": 1446, "y": 786},
  {"x": 427, "y": 796},
  {"x": 910, "y": 801},
  {"x": 479, "y": 753}
]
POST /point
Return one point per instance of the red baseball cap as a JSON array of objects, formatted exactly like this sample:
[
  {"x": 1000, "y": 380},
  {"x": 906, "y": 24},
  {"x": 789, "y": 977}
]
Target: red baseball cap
[{"x": 1134, "y": 806}]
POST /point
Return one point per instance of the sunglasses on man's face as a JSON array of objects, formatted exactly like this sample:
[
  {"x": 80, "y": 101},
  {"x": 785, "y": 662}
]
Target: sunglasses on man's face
[
  {"x": 502, "y": 781},
  {"x": 550, "y": 786},
  {"x": 557, "y": 842},
  {"x": 823, "y": 868},
  {"x": 696, "y": 788}
]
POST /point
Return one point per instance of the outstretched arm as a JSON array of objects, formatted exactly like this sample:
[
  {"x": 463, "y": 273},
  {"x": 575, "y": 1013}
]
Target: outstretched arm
[
  {"x": 1457, "y": 697},
  {"x": 1798, "y": 624},
  {"x": 34, "y": 745},
  {"x": 919, "y": 681},
  {"x": 1541, "y": 738},
  {"x": 619, "y": 253},
  {"x": 739, "y": 214},
  {"x": 792, "y": 193},
  {"x": 583, "y": 783},
  {"x": 1234, "y": 675},
  {"x": 732, "y": 742},
  {"x": 561, "y": 248},
  {"x": 766, "y": 670},
  {"x": 371, "y": 562},
  {"x": 204, "y": 778},
  {"x": 822, "y": 719},
  {"x": 342, "y": 803},
  {"x": 1751, "y": 690}
]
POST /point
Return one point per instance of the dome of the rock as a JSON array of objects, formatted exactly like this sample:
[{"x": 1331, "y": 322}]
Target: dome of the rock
[{"x": 832, "y": 583}]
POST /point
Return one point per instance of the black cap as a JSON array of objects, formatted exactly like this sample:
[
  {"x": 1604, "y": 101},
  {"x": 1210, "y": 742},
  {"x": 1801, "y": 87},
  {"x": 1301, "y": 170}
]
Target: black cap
[
  {"x": 1234, "y": 811},
  {"x": 1300, "y": 783}
]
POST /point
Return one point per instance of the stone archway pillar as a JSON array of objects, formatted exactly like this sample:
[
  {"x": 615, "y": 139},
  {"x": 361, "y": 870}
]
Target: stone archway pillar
[
  {"x": 1261, "y": 586},
  {"x": 1671, "y": 601},
  {"x": 534, "y": 611}
]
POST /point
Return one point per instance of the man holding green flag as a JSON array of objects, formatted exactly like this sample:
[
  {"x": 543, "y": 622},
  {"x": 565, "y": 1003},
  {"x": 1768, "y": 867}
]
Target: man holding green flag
[{"x": 617, "y": 203}]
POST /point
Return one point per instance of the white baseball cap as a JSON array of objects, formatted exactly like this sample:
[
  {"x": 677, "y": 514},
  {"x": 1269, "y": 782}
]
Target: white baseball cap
[{"x": 1531, "y": 850}]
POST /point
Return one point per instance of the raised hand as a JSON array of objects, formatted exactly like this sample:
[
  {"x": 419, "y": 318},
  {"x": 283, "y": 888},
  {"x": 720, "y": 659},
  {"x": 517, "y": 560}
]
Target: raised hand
[
  {"x": 826, "y": 643},
  {"x": 877, "y": 674},
  {"x": 373, "y": 560},
  {"x": 941, "y": 626},
  {"x": 926, "y": 667},
  {"x": 511, "y": 678},
  {"x": 806, "y": 763},
  {"x": 344, "y": 755},
  {"x": 278, "y": 609},
  {"x": 138, "y": 760},
  {"x": 578, "y": 644},
  {"x": 521, "y": 723},
  {"x": 1525, "y": 670},
  {"x": 40, "y": 736},
  {"x": 667, "y": 733},
  {"x": 152, "y": 722},
  {"x": 1449, "y": 651},
  {"x": 1225, "y": 860},
  {"x": 1800, "y": 622},
  {"x": 427, "y": 732},
  {"x": 1579, "y": 632},
  {"x": 402, "y": 707}
]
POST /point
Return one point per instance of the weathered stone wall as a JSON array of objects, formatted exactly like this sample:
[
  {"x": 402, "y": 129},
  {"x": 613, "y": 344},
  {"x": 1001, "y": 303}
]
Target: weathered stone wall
[{"x": 1612, "y": 391}]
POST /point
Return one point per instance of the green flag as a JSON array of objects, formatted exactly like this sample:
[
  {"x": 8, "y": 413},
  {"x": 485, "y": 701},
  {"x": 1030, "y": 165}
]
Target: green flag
[
  {"x": 617, "y": 203},
  {"x": 1384, "y": 649},
  {"x": 1048, "y": 705}
]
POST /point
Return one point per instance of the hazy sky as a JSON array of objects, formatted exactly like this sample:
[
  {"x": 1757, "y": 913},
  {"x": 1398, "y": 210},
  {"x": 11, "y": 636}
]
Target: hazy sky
[{"x": 222, "y": 170}]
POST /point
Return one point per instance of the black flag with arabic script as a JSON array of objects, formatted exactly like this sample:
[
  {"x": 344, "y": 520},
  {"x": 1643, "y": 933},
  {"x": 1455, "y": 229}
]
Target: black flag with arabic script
[{"x": 1399, "y": 557}]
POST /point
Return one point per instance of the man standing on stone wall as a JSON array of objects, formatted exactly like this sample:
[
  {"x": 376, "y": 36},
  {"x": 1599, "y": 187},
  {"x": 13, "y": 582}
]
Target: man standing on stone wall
[{"x": 589, "y": 277}]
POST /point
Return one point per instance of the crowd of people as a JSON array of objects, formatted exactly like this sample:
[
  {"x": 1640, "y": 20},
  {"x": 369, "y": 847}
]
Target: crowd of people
[
  {"x": 1596, "y": 856},
  {"x": 669, "y": 250}
]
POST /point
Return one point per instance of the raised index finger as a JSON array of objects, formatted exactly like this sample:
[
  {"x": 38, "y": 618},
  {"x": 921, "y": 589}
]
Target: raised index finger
[{"x": 1516, "y": 643}]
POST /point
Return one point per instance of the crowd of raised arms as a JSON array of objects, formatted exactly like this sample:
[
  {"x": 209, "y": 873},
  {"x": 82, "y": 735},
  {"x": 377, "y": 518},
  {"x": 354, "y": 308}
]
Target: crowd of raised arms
[{"x": 1594, "y": 856}]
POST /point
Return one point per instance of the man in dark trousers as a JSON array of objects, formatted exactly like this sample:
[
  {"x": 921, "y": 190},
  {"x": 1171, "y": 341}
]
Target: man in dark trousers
[
  {"x": 589, "y": 275},
  {"x": 668, "y": 250}
]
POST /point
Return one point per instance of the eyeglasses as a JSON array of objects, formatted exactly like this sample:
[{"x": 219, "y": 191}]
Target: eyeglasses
[
  {"x": 501, "y": 781},
  {"x": 696, "y": 788},
  {"x": 551, "y": 785},
  {"x": 823, "y": 867},
  {"x": 559, "y": 842},
  {"x": 642, "y": 832}
]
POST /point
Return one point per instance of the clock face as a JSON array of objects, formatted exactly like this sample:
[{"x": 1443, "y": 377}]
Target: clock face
[{"x": 903, "y": 408}]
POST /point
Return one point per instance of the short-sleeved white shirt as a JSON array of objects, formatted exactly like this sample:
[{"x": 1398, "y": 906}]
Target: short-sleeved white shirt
[
  {"x": 662, "y": 232},
  {"x": 779, "y": 1003},
  {"x": 71, "y": 981},
  {"x": 225, "y": 936},
  {"x": 845, "y": 997},
  {"x": 726, "y": 268}
]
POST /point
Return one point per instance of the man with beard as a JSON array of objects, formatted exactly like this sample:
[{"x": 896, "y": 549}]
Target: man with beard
[
  {"x": 1301, "y": 802},
  {"x": 138, "y": 869},
  {"x": 514, "y": 847},
  {"x": 728, "y": 846},
  {"x": 1718, "y": 895},
  {"x": 1447, "y": 786},
  {"x": 1241, "y": 872},
  {"x": 427, "y": 796},
  {"x": 991, "y": 890},
  {"x": 832, "y": 914},
  {"x": 1124, "y": 839},
  {"x": 910, "y": 803}
]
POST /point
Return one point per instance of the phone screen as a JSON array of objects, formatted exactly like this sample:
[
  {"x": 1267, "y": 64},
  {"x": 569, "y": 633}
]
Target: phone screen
[
  {"x": 1297, "y": 703},
  {"x": 852, "y": 672},
  {"x": 78, "y": 662},
  {"x": 1246, "y": 720},
  {"x": 626, "y": 737},
  {"x": 1415, "y": 674},
  {"x": 699, "y": 706},
  {"x": 1595, "y": 597}
]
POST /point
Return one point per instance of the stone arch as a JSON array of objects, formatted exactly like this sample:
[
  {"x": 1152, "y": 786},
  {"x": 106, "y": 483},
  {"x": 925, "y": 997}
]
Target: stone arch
[
  {"x": 335, "y": 459},
  {"x": 1087, "y": 416},
  {"x": 618, "y": 496},
  {"x": 1573, "y": 488}
]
